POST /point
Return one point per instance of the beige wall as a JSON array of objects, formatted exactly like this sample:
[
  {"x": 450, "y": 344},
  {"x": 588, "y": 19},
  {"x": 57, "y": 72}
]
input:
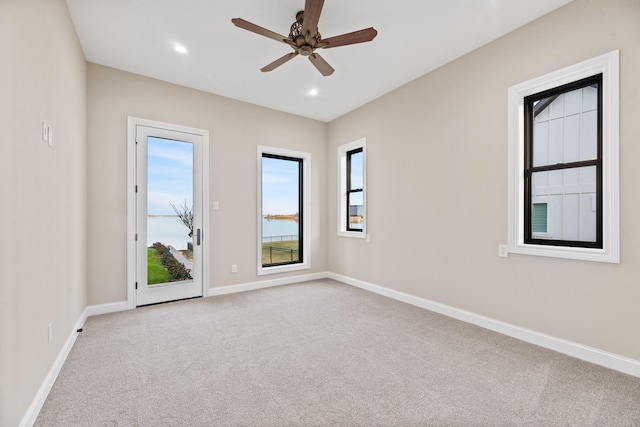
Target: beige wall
[
  {"x": 42, "y": 194},
  {"x": 437, "y": 153},
  {"x": 437, "y": 186},
  {"x": 235, "y": 130}
]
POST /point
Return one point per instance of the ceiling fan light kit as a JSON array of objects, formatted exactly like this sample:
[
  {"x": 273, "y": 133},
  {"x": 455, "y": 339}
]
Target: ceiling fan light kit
[{"x": 304, "y": 37}]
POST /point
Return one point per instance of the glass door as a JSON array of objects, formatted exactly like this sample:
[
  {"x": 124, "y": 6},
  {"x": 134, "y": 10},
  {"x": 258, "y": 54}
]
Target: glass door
[{"x": 168, "y": 215}]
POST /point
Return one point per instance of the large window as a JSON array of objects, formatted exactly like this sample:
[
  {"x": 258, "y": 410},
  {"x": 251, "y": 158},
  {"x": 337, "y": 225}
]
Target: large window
[
  {"x": 563, "y": 165},
  {"x": 563, "y": 154},
  {"x": 282, "y": 210},
  {"x": 352, "y": 196}
]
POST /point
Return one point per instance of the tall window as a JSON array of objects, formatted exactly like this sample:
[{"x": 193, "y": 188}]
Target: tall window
[
  {"x": 352, "y": 206},
  {"x": 563, "y": 163},
  {"x": 355, "y": 202},
  {"x": 282, "y": 201}
]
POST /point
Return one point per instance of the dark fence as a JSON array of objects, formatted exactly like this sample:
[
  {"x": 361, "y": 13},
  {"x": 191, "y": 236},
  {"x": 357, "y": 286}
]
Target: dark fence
[
  {"x": 280, "y": 254},
  {"x": 285, "y": 238}
]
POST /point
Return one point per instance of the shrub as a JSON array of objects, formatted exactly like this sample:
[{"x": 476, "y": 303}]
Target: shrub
[{"x": 176, "y": 270}]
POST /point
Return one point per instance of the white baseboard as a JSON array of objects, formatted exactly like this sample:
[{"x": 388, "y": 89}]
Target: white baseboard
[
  {"x": 31, "y": 415},
  {"x": 95, "y": 310},
  {"x": 252, "y": 286},
  {"x": 579, "y": 351}
]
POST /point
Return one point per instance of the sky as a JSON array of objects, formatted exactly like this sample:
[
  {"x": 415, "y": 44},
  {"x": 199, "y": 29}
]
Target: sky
[
  {"x": 356, "y": 170},
  {"x": 279, "y": 186},
  {"x": 169, "y": 175},
  {"x": 170, "y": 179}
]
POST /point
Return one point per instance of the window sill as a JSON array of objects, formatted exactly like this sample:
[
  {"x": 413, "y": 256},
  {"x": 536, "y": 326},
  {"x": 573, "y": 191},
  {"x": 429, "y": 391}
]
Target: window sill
[
  {"x": 353, "y": 234},
  {"x": 262, "y": 271},
  {"x": 581, "y": 254}
]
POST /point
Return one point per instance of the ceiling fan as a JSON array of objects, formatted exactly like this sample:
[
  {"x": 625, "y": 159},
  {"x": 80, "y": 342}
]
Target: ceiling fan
[{"x": 304, "y": 37}]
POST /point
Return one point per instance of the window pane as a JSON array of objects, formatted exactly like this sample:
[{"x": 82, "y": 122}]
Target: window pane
[
  {"x": 572, "y": 210},
  {"x": 355, "y": 195},
  {"x": 356, "y": 211},
  {"x": 356, "y": 160},
  {"x": 565, "y": 127},
  {"x": 169, "y": 211},
  {"x": 281, "y": 210}
]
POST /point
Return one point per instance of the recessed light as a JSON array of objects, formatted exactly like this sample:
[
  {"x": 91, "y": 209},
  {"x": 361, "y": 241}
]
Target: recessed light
[
  {"x": 180, "y": 48},
  {"x": 313, "y": 92}
]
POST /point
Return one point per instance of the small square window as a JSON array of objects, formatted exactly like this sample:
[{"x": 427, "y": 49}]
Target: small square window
[{"x": 539, "y": 218}]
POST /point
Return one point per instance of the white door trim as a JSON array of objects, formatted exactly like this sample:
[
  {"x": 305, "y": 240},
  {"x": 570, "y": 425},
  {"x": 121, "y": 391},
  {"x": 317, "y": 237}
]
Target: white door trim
[{"x": 132, "y": 122}]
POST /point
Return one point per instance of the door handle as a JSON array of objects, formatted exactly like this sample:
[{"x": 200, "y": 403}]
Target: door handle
[{"x": 198, "y": 237}]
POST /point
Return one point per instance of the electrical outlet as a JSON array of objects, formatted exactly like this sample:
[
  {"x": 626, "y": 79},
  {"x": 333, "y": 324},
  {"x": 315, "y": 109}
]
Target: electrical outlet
[
  {"x": 503, "y": 251},
  {"x": 50, "y": 333},
  {"x": 368, "y": 238},
  {"x": 234, "y": 268},
  {"x": 215, "y": 206}
]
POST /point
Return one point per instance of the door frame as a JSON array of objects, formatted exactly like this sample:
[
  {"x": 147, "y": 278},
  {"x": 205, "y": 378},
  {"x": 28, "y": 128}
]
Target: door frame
[{"x": 132, "y": 123}]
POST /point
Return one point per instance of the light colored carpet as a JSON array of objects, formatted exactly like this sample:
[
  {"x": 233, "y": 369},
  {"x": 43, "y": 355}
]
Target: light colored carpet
[{"x": 318, "y": 354}]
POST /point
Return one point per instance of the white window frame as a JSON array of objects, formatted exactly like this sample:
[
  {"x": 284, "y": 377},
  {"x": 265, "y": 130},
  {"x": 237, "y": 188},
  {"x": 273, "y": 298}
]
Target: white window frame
[
  {"x": 306, "y": 206},
  {"x": 608, "y": 65},
  {"x": 342, "y": 188}
]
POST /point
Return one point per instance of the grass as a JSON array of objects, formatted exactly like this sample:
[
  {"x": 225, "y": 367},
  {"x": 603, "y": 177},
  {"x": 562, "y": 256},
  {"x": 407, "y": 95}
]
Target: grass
[
  {"x": 156, "y": 272},
  {"x": 282, "y": 252}
]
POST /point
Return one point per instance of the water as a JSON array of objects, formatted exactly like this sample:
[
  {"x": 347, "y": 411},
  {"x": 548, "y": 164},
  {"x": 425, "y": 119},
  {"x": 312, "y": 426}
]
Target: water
[
  {"x": 169, "y": 230},
  {"x": 279, "y": 227}
]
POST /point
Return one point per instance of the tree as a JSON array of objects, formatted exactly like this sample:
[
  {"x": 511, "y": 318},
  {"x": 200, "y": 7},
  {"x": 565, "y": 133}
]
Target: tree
[{"x": 186, "y": 215}]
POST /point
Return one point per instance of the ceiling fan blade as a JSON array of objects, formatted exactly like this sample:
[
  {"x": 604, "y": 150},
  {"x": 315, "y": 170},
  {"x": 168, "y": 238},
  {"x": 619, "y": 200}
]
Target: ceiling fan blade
[
  {"x": 360, "y": 36},
  {"x": 312, "y": 10},
  {"x": 322, "y": 65},
  {"x": 278, "y": 62},
  {"x": 246, "y": 25}
]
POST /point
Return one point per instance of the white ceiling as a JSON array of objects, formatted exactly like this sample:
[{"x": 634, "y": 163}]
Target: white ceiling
[{"x": 414, "y": 37}]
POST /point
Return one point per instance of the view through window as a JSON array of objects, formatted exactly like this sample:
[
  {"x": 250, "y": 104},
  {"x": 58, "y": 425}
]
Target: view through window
[
  {"x": 563, "y": 168},
  {"x": 282, "y": 210},
  {"x": 169, "y": 211},
  {"x": 352, "y": 198},
  {"x": 355, "y": 196},
  {"x": 564, "y": 194}
]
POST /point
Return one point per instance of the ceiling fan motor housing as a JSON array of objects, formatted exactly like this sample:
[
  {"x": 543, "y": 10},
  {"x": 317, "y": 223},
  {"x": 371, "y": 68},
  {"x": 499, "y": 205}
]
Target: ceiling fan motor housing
[{"x": 305, "y": 43}]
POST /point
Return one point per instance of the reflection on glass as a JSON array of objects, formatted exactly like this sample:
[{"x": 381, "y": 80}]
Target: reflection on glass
[{"x": 169, "y": 211}]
